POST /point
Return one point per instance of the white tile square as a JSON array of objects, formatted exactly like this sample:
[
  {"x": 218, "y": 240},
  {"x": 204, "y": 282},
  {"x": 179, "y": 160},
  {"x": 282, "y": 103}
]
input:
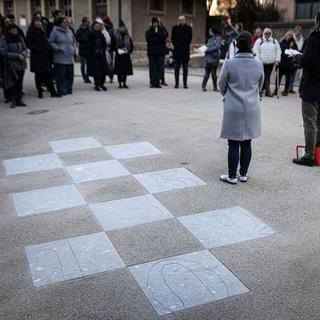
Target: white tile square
[
  {"x": 168, "y": 180},
  {"x": 186, "y": 281},
  {"x": 132, "y": 150},
  {"x": 45, "y": 200},
  {"x": 97, "y": 171},
  {"x": 77, "y": 144},
  {"x": 72, "y": 258},
  {"x": 129, "y": 212},
  {"x": 226, "y": 226},
  {"x": 32, "y": 164}
]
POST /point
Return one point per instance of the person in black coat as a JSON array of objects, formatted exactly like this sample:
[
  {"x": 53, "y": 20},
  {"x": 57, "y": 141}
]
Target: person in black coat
[
  {"x": 310, "y": 94},
  {"x": 38, "y": 45},
  {"x": 181, "y": 38},
  {"x": 286, "y": 65},
  {"x": 124, "y": 48},
  {"x": 82, "y": 35},
  {"x": 97, "y": 61},
  {"x": 156, "y": 41}
]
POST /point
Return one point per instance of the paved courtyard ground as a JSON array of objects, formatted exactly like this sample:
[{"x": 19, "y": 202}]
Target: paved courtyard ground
[{"x": 112, "y": 208}]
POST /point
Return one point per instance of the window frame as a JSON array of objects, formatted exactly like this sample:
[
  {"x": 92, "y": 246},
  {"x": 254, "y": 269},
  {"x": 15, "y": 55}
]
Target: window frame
[
  {"x": 188, "y": 14},
  {"x": 158, "y": 12},
  {"x": 312, "y": 2}
]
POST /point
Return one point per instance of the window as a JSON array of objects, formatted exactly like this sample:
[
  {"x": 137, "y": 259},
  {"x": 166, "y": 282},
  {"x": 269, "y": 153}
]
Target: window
[
  {"x": 50, "y": 7},
  {"x": 187, "y": 7},
  {"x": 307, "y": 9},
  {"x": 66, "y": 8},
  {"x": 8, "y": 7},
  {"x": 36, "y": 6},
  {"x": 157, "y": 5},
  {"x": 101, "y": 8}
]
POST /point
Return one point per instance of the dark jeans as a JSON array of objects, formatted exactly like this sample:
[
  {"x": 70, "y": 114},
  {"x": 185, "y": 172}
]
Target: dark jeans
[
  {"x": 99, "y": 81},
  {"x": 110, "y": 66},
  {"x": 293, "y": 79},
  {"x": 46, "y": 79},
  {"x": 213, "y": 71},
  {"x": 162, "y": 70},
  {"x": 64, "y": 77},
  {"x": 239, "y": 151},
  {"x": 287, "y": 74},
  {"x": 17, "y": 89},
  {"x": 177, "y": 65},
  {"x": 267, "y": 74},
  {"x": 155, "y": 65},
  {"x": 311, "y": 123},
  {"x": 84, "y": 67}
]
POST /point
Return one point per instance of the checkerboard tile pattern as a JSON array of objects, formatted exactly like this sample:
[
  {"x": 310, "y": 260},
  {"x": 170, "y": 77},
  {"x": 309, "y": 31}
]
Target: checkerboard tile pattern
[{"x": 174, "y": 282}]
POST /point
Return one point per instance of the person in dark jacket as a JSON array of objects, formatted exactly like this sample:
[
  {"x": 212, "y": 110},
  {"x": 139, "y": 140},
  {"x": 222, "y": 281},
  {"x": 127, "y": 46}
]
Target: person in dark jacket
[
  {"x": 14, "y": 52},
  {"x": 82, "y": 38},
  {"x": 163, "y": 61},
  {"x": 212, "y": 56},
  {"x": 46, "y": 24},
  {"x": 12, "y": 19},
  {"x": 286, "y": 65},
  {"x": 156, "y": 41},
  {"x": 181, "y": 38},
  {"x": 310, "y": 95},
  {"x": 124, "y": 48},
  {"x": 97, "y": 61},
  {"x": 38, "y": 45}
]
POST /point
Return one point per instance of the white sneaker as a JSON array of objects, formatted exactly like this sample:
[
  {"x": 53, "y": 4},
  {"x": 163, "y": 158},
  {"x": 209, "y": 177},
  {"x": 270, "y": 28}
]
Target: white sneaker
[
  {"x": 225, "y": 178},
  {"x": 243, "y": 178}
]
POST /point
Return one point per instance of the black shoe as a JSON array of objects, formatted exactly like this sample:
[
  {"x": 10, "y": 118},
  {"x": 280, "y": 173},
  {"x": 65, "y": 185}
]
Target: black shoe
[
  {"x": 163, "y": 83},
  {"x": 40, "y": 95},
  {"x": 292, "y": 91},
  {"x": 275, "y": 93},
  {"x": 13, "y": 105},
  {"x": 55, "y": 95},
  {"x": 268, "y": 94},
  {"x": 20, "y": 104},
  {"x": 125, "y": 86},
  {"x": 215, "y": 89},
  {"x": 185, "y": 87},
  {"x": 176, "y": 86},
  {"x": 120, "y": 85},
  {"x": 97, "y": 88},
  {"x": 284, "y": 93},
  {"x": 7, "y": 100},
  {"x": 87, "y": 81},
  {"x": 151, "y": 86},
  {"x": 303, "y": 162},
  {"x": 104, "y": 88},
  {"x": 204, "y": 89}
]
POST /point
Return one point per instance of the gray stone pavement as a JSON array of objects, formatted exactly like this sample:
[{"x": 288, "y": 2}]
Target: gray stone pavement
[{"x": 95, "y": 226}]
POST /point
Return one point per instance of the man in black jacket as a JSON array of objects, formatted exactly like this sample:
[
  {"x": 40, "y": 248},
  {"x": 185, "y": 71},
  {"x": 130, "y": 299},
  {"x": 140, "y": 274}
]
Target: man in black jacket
[
  {"x": 82, "y": 38},
  {"x": 156, "y": 40},
  {"x": 310, "y": 94},
  {"x": 181, "y": 38}
]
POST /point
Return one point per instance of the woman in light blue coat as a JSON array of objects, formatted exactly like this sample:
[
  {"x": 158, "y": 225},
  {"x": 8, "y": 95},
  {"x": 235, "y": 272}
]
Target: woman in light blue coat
[{"x": 240, "y": 83}]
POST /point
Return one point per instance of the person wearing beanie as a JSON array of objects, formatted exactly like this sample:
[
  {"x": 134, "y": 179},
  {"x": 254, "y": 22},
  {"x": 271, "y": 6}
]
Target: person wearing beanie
[
  {"x": 156, "y": 41},
  {"x": 310, "y": 95},
  {"x": 14, "y": 53},
  {"x": 240, "y": 82},
  {"x": 124, "y": 47}
]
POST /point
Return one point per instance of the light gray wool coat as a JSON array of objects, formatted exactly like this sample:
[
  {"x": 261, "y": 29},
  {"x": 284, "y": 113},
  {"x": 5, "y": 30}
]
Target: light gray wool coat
[
  {"x": 63, "y": 43},
  {"x": 240, "y": 82}
]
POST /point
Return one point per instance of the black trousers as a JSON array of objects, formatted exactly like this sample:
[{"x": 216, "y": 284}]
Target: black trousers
[
  {"x": 17, "y": 89},
  {"x": 122, "y": 78},
  {"x": 267, "y": 74},
  {"x": 239, "y": 151},
  {"x": 177, "y": 65},
  {"x": 46, "y": 79},
  {"x": 99, "y": 81},
  {"x": 155, "y": 65},
  {"x": 210, "y": 70},
  {"x": 287, "y": 73},
  {"x": 162, "y": 70}
]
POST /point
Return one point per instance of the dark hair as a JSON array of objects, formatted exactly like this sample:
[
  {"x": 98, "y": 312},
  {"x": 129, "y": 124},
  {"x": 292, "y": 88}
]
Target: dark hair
[
  {"x": 84, "y": 19},
  {"x": 11, "y": 16},
  {"x": 318, "y": 17},
  {"x": 60, "y": 21},
  {"x": 94, "y": 23},
  {"x": 244, "y": 41},
  {"x": 56, "y": 13}
]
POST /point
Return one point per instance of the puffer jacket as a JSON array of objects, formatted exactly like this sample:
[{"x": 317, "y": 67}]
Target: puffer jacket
[
  {"x": 63, "y": 43},
  {"x": 268, "y": 51},
  {"x": 212, "y": 53}
]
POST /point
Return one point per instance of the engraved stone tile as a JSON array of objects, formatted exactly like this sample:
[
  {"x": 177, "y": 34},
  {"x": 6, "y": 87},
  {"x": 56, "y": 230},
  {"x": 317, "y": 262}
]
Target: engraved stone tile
[
  {"x": 72, "y": 258},
  {"x": 44, "y": 200},
  {"x": 96, "y": 171},
  {"x": 77, "y": 144},
  {"x": 132, "y": 150},
  {"x": 226, "y": 226},
  {"x": 186, "y": 281},
  {"x": 32, "y": 164},
  {"x": 129, "y": 212},
  {"x": 168, "y": 180}
]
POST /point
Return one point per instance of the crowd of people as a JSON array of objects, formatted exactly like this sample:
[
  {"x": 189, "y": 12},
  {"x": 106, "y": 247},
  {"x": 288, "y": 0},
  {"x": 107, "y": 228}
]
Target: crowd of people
[{"x": 52, "y": 48}]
